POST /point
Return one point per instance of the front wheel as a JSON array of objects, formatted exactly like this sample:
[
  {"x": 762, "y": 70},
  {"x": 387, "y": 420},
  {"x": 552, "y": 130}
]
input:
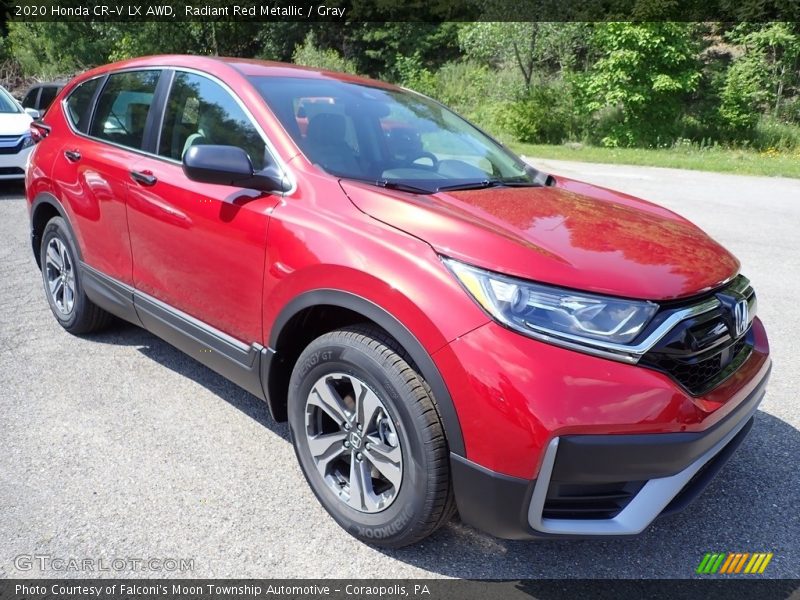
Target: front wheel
[
  {"x": 63, "y": 286},
  {"x": 368, "y": 437}
]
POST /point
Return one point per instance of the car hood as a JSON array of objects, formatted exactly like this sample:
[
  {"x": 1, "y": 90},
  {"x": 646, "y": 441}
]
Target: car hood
[
  {"x": 573, "y": 235},
  {"x": 14, "y": 123}
]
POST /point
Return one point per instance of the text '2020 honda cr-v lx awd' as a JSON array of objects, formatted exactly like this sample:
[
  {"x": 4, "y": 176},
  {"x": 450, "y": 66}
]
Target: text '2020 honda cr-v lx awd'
[{"x": 444, "y": 327}]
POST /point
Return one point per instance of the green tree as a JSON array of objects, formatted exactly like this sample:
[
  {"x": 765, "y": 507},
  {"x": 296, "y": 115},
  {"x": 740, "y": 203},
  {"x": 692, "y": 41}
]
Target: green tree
[
  {"x": 375, "y": 48},
  {"x": 766, "y": 73},
  {"x": 642, "y": 79},
  {"x": 214, "y": 38},
  {"x": 51, "y": 49},
  {"x": 546, "y": 48},
  {"x": 310, "y": 55},
  {"x": 151, "y": 37}
]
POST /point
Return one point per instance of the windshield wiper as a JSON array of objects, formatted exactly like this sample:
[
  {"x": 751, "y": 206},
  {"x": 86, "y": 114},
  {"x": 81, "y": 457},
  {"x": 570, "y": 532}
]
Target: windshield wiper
[
  {"x": 403, "y": 187},
  {"x": 486, "y": 183}
]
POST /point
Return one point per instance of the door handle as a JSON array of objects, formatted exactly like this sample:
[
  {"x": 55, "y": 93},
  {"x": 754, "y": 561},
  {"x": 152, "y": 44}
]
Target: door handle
[
  {"x": 144, "y": 177},
  {"x": 72, "y": 155}
]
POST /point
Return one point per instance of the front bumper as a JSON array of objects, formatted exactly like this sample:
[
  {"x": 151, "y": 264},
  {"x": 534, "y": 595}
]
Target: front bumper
[
  {"x": 559, "y": 443},
  {"x": 663, "y": 473},
  {"x": 12, "y": 166}
]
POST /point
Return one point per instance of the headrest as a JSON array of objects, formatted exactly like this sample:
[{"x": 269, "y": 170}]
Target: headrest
[{"x": 326, "y": 128}]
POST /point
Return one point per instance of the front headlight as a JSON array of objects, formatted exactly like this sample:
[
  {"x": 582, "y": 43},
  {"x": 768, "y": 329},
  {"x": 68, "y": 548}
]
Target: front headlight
[
  {"x": 27, "y": 142},
  {"x": 554, "y": 313}
]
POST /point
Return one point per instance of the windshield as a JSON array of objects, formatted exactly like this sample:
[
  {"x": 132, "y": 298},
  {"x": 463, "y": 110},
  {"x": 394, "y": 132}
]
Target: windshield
[
  {"x": 7, "y": 103},
  {"x": 388, "y": 137}
]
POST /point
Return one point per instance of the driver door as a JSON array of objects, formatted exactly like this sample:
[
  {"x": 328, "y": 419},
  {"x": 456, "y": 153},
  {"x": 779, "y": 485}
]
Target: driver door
[{"x": 199, "y": 249}]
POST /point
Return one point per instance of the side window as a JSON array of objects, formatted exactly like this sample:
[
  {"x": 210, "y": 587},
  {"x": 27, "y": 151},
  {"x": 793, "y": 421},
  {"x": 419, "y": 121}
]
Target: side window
[
  {"x": 200, "y": 111},
  {"x": 29, "y": 101},
  {"x": 78, "y": 103},
  {"x": 48, "y": 95},
  {"x": 122, "y": 108}
]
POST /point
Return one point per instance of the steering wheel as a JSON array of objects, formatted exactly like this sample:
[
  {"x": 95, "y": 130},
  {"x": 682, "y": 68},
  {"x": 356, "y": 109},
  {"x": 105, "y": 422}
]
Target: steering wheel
[{"x": 434, "y": 166}]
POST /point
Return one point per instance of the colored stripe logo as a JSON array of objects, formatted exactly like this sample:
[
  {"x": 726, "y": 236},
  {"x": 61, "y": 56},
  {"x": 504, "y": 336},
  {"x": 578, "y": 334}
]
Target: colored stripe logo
[{"x": 732, "y": 563}]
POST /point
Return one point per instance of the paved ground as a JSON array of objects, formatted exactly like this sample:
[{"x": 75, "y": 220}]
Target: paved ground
[{"x": 118, "y": 446}]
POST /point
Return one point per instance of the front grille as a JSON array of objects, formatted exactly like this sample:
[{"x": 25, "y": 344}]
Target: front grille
[
  {"x": 699, "y": 376},
  {"x": 588, "y": 501},
  {"x": 703, "y": 351},
  {"x": 11, "y": 171},
  {"x": 5, "y": 148}
]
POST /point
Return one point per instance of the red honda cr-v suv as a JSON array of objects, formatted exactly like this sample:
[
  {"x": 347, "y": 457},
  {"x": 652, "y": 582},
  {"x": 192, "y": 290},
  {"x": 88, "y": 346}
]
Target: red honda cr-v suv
[{"x": 444, "y": 327}]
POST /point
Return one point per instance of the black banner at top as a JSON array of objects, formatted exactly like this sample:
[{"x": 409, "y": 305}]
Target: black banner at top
[{"x": 355, "y": 11}]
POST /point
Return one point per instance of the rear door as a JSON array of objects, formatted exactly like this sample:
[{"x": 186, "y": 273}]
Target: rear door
[
  {"x": 92, "y": 170},
  {"x": 200, "y": 248}
]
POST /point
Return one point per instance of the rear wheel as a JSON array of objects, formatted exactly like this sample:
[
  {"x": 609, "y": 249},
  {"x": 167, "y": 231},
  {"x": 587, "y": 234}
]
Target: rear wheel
[
  {"x": 62, "y": 282},
  {"x": 369, "y": 438}
]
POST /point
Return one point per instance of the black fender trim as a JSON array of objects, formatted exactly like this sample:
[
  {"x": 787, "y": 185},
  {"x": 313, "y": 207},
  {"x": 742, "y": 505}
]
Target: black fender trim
[
  {"x": 490, "y": 501},
  {"x": 376, "y": 314},
  {"x": 50, "y": 200},
  {"x": 233, "y": 359},
  {"x": 109, "y": 294}
]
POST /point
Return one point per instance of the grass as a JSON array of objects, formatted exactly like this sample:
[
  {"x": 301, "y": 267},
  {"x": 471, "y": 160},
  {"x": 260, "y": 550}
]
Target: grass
[{"x": 721, "y": 160}]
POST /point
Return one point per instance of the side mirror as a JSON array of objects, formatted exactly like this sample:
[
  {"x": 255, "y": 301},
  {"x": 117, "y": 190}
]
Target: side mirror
[
  {"x": 33, "y": 113},
  {"x": 230, "y": 165}
]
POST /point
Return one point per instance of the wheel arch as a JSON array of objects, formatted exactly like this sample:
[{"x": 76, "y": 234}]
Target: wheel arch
[
  {"x": 347, "y": 308},
  {"x": 44, "y": 207}
]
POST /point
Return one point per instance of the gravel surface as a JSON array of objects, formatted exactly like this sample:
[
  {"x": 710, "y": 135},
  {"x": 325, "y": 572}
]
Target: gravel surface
[{"x": 118, "y": 446}]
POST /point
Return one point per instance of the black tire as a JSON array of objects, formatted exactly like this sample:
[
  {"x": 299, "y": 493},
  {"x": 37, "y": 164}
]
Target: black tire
[
  {"x": 84, "y": 316},
  {"x": 424, "y": 500}
]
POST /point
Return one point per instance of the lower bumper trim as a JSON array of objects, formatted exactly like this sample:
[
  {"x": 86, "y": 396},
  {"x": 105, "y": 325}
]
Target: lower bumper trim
[
  {"x": 680, "y": 467},
  {"x": 648, "y": 504}
]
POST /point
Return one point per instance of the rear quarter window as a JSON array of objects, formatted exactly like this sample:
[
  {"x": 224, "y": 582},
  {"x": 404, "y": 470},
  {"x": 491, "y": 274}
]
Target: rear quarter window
[{"x": 78, "y": 104}]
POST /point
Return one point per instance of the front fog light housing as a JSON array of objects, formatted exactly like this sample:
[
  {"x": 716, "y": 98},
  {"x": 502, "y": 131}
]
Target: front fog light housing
[{"x": 546, "y": 311}]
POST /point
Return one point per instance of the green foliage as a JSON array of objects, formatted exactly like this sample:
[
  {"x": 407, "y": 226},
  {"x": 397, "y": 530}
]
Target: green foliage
[
  {"x": 760, "y": 79},
  {"x": 531, "y": 48},
  {"x": 619, "y": 84},
  {"x": 681, "y": 156},
  {"x": 412, "y": 74},
  {"x": 473, "y": 90},
  {"x": 771, "y": 134},
  {"x": 546, "y": 114},
  {"x": 141, "y": 39},
  {"x": 470, "y": 87},
  {"x": 743, "y": 92},
  {"x": 52, "y": 49},
  {"x": 375, "y": 47},
  {"x": 637, "y": 88},
  {"x": 310, "y": 55}
]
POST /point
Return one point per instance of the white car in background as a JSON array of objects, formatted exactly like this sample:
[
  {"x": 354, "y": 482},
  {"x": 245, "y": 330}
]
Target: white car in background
[{"x": 15, "y": 136}]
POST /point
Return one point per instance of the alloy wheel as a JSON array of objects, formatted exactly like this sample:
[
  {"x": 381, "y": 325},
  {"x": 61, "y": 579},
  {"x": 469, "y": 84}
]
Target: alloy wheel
[
  {"x": 353, "y": 442},
  {"x": 60, "y": 275}
]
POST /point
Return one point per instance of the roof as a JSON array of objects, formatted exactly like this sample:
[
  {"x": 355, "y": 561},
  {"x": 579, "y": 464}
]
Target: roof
[{"x": 245, "y": 66}]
